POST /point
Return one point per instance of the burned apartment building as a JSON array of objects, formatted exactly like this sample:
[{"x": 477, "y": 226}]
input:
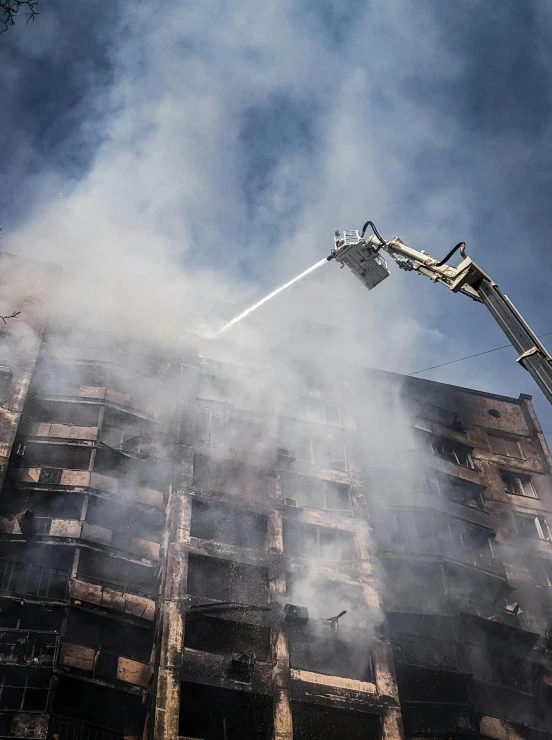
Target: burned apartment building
[{"x": 180, "y": 561}]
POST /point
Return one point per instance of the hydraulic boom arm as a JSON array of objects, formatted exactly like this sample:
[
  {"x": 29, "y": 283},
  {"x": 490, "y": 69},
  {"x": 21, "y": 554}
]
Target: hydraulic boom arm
[{"x": 363, "y": 257}]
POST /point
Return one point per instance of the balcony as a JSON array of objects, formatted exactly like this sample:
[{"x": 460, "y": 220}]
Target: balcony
[
  {"x": 64, "y": 431},
  {"x": 111, "y": 597},
  {"x": 86, "y": 479},
  {"x": 30, "y": 579},
  {"x": 105, "y": 664}
]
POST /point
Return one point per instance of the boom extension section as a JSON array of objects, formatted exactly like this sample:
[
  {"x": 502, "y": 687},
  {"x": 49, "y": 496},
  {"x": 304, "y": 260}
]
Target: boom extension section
[{"x": 362, "y": 256}]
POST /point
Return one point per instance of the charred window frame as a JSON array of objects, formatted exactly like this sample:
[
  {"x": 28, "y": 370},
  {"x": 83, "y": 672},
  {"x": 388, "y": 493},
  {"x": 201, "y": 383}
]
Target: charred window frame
[
  {"x": 452, "y": 451},
  {"x": 228, "y": 524},
  {"x": 518, "y": 484},
  {"x": 533, "y": 526},
  {"x": 456, "y": 490},
  {"x": 505, "y": 446},
  {"x": 323, "y": 543}
]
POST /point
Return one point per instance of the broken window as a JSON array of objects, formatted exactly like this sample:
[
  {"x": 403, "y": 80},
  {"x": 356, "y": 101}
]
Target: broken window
[
  {"x": 224, "y": 636},
  {"x": 5, "y": 385},
  {"x": 309, "y": 541},
  {"x": 44, "y": 455},
  {"x": 210, "y": 713},
  {"x": 420, "y": 684},
  {"x": 511, "y": 671},
  {"x": 424, "y": 651},
  {"x": 315, "y": 492},
  {"x": 132, "y": 471},
  {"x": 456, "y": 489},
  {"x": 111, "y": 571},
  {"x": 467, "y": 536},
  {"x": 26, "y": 616},
  {"x": 315, "y": 721},
  {"x": 438, "y": 720},
  {"x": 211, "y": 474},
  {"x": 413, "y": 586},
  {"x": 215, "y": 387},
  {"x": 136, "y": 522},
  {"x": 507, "y": 446},
  {"x": 24, "y": 690},
  {"x": 318, "y": 410},
  {"x": 325, "y": 598},
  {"x": 65, "y": 412},
  {"x": 452, "y": 451},
  {"x": 43, "y": 504},
  {"x": 103, "y": 633},
  {"x": 325, "y": 449},
  {"x": 226, "y": 580},
  {"x": 319, "y": 649},
  {"x": 107, "y": 714},
  {"x": 222, "y": 523},
  {"x": 533, "y": 526},
  {"x": 440, "y": 415},
  {"x": 519, "y": 484},
  {"x": 545, "y": 573}
]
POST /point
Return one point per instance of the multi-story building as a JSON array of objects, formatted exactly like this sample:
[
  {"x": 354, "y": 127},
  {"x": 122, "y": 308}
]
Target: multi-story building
[{"x": 188, "y": 551}]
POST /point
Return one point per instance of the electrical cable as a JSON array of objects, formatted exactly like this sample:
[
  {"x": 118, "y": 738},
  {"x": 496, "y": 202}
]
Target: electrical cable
[{"x": 469, "y": 357}]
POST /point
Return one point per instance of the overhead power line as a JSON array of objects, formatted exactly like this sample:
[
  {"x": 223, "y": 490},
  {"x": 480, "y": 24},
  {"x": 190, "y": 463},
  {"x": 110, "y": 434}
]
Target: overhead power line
[{"x": 469, "y": 357}]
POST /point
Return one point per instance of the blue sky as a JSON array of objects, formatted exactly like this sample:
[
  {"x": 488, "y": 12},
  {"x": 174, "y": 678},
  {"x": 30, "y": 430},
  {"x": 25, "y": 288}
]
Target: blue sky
[{"x": 214, "y": 148}]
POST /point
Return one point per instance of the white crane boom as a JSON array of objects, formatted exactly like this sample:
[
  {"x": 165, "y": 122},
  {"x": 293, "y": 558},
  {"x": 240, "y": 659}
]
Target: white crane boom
[{"x": 363, "y": 257}]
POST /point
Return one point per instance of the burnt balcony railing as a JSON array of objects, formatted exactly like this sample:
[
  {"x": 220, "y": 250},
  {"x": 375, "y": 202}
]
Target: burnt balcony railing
[
  {"x": 28, "y": 647},
  {"x": 66, "y": 728},
  {"x": 33, "y": 580}
]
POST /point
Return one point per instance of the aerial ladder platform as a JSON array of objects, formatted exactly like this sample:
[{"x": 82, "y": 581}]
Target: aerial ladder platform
[{"x": 364, "y": 256}]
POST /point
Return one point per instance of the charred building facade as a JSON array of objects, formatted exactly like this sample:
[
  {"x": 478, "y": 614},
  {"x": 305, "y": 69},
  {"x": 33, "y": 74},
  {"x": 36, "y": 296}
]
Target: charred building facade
[{"x": 176, "y": 562}]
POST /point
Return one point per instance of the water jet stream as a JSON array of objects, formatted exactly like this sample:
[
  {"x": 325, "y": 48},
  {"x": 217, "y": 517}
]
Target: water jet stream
[{"x": 267, "y": 298}]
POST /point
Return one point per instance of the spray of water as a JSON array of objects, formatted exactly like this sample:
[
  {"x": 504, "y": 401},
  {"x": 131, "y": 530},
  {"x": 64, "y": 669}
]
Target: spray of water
[{"x": 267, "y": 298}]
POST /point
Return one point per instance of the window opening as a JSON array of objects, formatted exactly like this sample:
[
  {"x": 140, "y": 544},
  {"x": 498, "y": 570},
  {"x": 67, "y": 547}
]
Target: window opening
[
  {"x": 533, "y": 526},
  {"x": 322, "y": 652},
  {"x": 452, "y": 451},
  {"x": 228, "y": 524},
  {"x": 226, "y": 580},
  {"x": 308, "y": 540},
  {"x": 456, "y": 490},
  {"x": 315, "y": 492},
  {"x": 224, "y": 636},
  {"x": 209, "y": 713}
]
